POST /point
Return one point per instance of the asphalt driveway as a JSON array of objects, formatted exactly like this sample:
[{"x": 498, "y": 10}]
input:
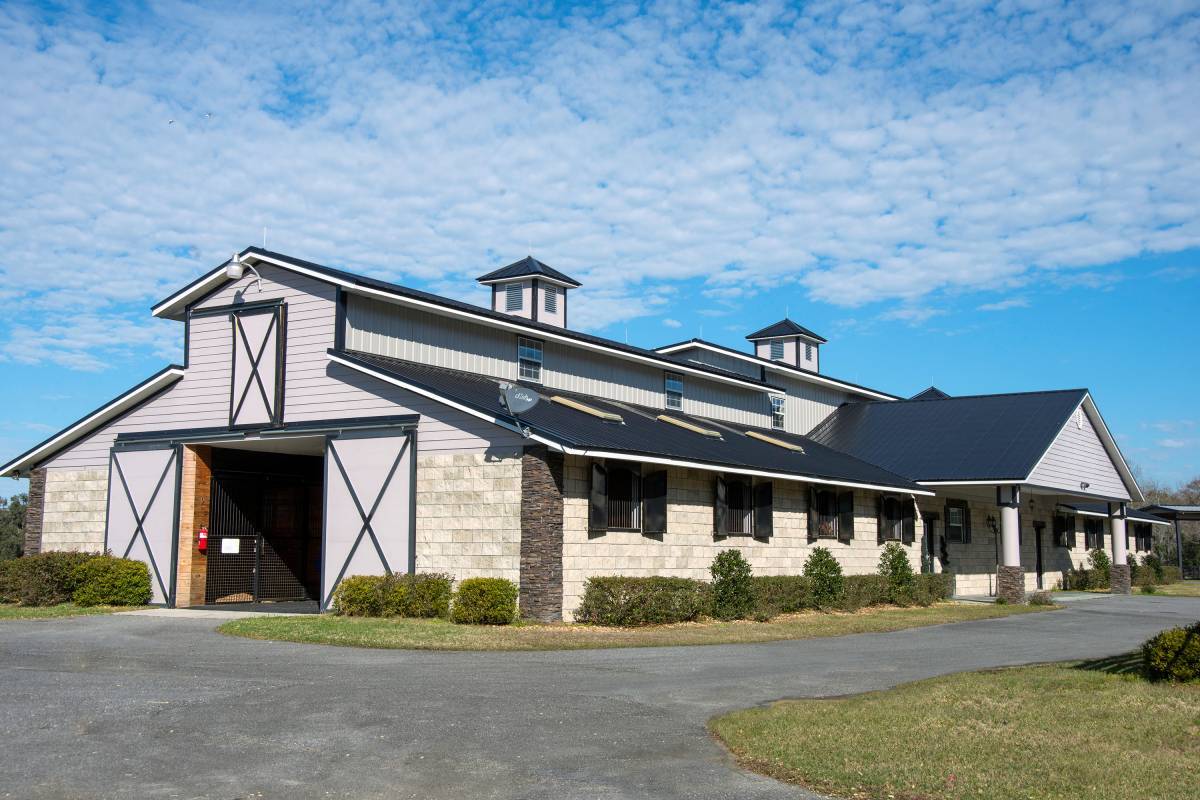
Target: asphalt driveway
[{"x": 153, "y": 707}]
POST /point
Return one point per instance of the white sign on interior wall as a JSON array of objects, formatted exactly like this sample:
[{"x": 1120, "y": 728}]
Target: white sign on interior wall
[{"x": 231, "y": 546}]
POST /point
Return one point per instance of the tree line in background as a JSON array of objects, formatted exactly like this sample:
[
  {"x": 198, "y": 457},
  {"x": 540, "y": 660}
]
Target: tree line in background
[
  {"x": 1186, "y": 494},
  {"x": 12, "y": 526}
]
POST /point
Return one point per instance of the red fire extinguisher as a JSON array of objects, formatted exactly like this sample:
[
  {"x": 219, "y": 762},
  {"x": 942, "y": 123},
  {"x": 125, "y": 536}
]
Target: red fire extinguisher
[{"x": 202, "y": 541}]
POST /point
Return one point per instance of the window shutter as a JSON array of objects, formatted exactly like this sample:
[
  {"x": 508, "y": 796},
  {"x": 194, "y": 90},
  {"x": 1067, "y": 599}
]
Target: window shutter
[
  {"x": 812, "y": 514},
  {"x": 909, "y": 525},
  {"x": 966, "y": 525},
  {"x": 879, "y": 521},
  {"x": 654, "y": 502},
  {"x": 845, "y": 516},
  {"x": 763, "y": 499},
  {"x": 720, "y": 507},
  {"x": 598, "y": 499}
]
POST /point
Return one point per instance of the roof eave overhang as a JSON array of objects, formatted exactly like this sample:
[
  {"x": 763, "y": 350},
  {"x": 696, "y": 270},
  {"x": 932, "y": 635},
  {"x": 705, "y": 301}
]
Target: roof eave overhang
[
  {"x": 805, "y": 336},
  {"x": 530, "y": 276},
  {"x": 573, "y": 448},
  {"x": 22, "y": 464}
]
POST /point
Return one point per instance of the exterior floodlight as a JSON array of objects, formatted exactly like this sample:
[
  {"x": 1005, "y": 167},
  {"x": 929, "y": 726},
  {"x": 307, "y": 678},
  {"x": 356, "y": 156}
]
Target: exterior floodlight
[{"x": 236, "y": 268}]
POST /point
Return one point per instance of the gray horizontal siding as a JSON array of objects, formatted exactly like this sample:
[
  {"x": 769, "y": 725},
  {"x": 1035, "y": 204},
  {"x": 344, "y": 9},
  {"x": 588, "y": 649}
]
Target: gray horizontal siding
[
  {"x": 720, "y": 360},
  {"x": 314, "y": 389},
  {"x": 391, "y": 330},
  {"x": 807, "y": 404},
  {"x": 1078, "y": 455}
]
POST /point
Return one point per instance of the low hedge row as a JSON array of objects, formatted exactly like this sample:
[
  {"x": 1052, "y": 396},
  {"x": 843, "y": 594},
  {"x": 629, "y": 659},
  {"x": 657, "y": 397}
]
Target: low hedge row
[
  {"x": 633, "y": 602},
  {"x": 1173, "y": 655},
  {"x": 478, "y": 601},
  {"x": 89, "y": 579}
]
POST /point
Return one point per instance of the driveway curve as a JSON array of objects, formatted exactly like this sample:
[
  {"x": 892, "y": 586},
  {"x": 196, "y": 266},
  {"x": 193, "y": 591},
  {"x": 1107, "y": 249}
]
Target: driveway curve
[{"x": 155, "y": 707}]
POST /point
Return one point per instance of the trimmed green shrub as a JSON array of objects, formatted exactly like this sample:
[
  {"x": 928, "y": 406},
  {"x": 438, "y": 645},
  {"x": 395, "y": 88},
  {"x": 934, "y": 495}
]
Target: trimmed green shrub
[
  {"x": 1151, "y": 571},
  {"x": 110, "y": 581},
  {"x": 732, "y": 592},
  {"x": 781, "y": 594},
  {"x": 1149, "y": 588},
  {"x": 43, "y": 579},
  {"x": 1101, "y": 568},
  {"x": 896, "y": 569},
  {"x": 1173, "y": 655},
  {"x": 1079, "y": 579},
  {"x": 631, "y": 602},
  {"x": 862, "y": 591},
  {"x": 424, "y": 595},
  {"x": 825, "y": 582},
  {"x": 485, "y": 601},
  {"x": 359, "y": 596},
  {"x": 1040, "y": 599},
  {"x": 930, "y": 588}
]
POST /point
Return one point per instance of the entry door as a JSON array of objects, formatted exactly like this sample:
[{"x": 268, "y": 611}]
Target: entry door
[
  {"x": 143, "y": 499},
  {"x": 370, "y": 510}
]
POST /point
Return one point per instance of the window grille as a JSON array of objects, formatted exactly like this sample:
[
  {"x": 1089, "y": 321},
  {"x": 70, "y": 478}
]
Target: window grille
[
  {"x": 551, "y": 299},
  {"x": 624, "y": 499},
  {"x": 777, "y": 411},
  {"x": 529, "y": 359},
  {"x": 673, "y": 384},
  {"x": 777, "y": 350},
  {"x": 512, "y": 297},
  {"x": 808, "y": 353}
]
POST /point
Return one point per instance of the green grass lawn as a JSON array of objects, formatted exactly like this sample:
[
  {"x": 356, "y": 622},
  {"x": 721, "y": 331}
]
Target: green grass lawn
[
  {"x": 1179, "y": 589},
  {"x": 433, "y": 634},
  {"x": 1093, "y": 731},
  {"x": 8, "y": 611}
]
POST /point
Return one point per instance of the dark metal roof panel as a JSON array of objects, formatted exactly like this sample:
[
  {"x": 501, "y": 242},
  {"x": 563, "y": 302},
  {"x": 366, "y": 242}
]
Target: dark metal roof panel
[
  {"x": 932, "y": 393},
  {"x": 785, "y": 327},
  {"x": 526, "y": 267},
  {"x": 983, "y": 437},
  {"x": 641, "y": 433}
]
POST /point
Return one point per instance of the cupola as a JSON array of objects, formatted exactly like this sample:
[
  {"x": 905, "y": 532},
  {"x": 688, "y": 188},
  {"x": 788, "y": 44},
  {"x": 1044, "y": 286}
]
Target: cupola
[
  {"x": 788, "y": 343},
  {"x": 530, "y": 289}
]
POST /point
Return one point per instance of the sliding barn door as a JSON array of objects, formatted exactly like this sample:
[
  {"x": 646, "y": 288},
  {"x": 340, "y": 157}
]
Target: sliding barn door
[
  {"x": 256, "y": 388},
  {"x": 370, "y": 512},
  {"x": 143, "y": 499}
]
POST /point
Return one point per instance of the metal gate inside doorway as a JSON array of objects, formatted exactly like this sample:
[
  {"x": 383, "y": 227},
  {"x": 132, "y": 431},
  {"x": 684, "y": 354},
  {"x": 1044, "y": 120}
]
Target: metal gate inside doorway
[{"x": 262, "y": 545}]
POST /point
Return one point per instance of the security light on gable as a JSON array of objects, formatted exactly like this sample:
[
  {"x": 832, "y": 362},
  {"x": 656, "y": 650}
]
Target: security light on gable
[{"x": 236, "y": 268}]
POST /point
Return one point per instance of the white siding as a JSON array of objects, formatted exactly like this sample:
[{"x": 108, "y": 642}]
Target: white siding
[
  {"x": 1078, "y": 455},
  {"x": 807, "y": 404},
  {"x": 314, "y": 389},
  {"x": 702, "y": 355}
]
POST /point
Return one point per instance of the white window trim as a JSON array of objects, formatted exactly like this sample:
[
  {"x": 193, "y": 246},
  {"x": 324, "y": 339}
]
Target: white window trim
[
  {"x": 527, "y": 342},
  {"x": 668, "y": 393},
  {"x": 781, "y": 413}
]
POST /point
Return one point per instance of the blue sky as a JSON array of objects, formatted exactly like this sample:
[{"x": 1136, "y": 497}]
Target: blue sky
[{"x": 986, "y": 196}]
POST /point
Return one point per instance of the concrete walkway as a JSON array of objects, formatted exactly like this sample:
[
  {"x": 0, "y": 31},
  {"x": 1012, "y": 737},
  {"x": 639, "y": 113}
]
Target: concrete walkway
[{"x": 162, "y": 707}]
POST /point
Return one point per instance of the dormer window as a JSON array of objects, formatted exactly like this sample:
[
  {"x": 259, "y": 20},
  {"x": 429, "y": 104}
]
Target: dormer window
[
  {"x": 673, "y": 384},
  {"x": 512, "y": 297},
  {"x": 777, "y": 350},
  {"x": 529, "y": 359}
]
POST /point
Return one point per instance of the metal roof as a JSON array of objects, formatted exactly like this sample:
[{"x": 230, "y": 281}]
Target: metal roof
[
  {"x": 642, "y": 434},
  {"x": 1101, "y": 509},
  {"x": 527, "y": 266},
  {"x": 982, "y": 437},
  {"x": 932, "y": 393},
  {"x": 785, "y": 327}
]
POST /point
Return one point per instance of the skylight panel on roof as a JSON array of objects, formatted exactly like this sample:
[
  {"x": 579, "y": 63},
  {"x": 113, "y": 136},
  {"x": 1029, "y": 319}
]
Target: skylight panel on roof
[
  {"x": 709, "y": 432},
  {"x": 607, "y": 416},
  {"x": 762, "y": 437}
]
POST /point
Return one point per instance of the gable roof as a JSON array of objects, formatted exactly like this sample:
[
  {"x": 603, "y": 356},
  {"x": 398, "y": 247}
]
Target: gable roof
[
  {"x": 527, "y": 266},
  {"x": 175, "y": 306},
  {"x": 932, "y": 393},
  {"x": 641, "y": 436},
  {"x": 984, "y": 437},
  {"x": 126, "y": 401},
  {"x": 788, "y": 369},
  {"x": 785, "y": 327}
]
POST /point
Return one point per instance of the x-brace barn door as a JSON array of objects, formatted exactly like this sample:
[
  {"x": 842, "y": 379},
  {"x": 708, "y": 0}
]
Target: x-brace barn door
[
  {"x": 369, "y": 506},
  {"x": 143, "y": 502},
  {"x": 256, "y": 375}
]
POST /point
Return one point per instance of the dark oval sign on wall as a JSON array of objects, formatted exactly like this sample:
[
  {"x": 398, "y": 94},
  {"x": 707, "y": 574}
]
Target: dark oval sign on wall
[{"x": 517, "y": 399}]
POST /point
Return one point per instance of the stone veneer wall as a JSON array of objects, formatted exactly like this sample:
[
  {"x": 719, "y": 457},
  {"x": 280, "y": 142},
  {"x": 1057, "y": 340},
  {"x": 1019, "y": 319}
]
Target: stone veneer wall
[
  {"x": 34, "y": 508},
  {"x": 688, "y": 547},
  {"x": 469, "y": 514},
  {"x": 74, "y": 509},
  {"x": 541, "y": 534}
]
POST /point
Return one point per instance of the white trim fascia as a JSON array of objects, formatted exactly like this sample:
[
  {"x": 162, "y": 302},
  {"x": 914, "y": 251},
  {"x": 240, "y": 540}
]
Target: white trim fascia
[
  {"x": 118, "y": 405},
  {"x": 578, "y": 451},
  {"x": 184, "y": 295},
  {"x": 806, "y": 338},
  {"x": 762, "y": 362},
  {"x": 530, "y": 277},
  {"x": 1080, "y": 512},
  {"x": 434, "y": 308},
  {"x": 969, "y": 483}
]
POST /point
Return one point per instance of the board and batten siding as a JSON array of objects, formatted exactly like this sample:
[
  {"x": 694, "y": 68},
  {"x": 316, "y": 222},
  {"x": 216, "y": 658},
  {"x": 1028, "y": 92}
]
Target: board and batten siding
[
  {"x": 314, "y": 389},
  {"x": 1078, "y": 455},
  {"x": 724, "y": 361},
  {"x": 392, "y": 330}
]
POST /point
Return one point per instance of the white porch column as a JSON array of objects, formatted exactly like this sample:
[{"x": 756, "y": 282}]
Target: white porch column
[
  {"x": 1119, "y": 576},
  {"x": 1010, "y": 577}
]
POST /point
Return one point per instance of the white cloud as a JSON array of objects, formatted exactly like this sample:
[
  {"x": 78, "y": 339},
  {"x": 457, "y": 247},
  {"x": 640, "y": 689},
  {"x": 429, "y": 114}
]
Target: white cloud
[
  {"x": 672, "y": 323},
  {"x": 859, "y": 153},
  {"x": 1005, "y": 305}
]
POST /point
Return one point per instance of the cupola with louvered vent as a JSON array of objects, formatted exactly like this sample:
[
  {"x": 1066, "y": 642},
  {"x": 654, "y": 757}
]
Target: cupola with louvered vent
[
  {"x": 789, "y": 343},
  {"x": 530, "y": 289}
]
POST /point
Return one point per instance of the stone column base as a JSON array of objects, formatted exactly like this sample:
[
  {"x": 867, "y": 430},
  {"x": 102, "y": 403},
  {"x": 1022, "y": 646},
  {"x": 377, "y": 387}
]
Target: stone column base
[
  {"x": 1010, "y": 584},
  {"x": 1118, "y": 579}
]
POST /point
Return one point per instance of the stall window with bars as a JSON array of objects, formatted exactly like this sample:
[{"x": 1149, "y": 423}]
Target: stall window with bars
[
  {"x": 777, "y": 409},
  {"x": 674, "y": 387},
  {"x": 624, "y": 498},
  {"x": 891, "y": 519},
  {"x": 1093, "y": 531},
  {"x": 830, "y": 514},
  {"x": 529, "y": 359},
  {"x": 739, "y": 504},
  {"x": 512, "y": 297}
]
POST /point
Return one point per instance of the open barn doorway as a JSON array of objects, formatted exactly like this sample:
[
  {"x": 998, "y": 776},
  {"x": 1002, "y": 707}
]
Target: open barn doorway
[{"x": 264, "y": 530}]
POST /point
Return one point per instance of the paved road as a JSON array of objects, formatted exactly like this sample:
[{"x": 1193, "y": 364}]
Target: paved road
[{"x": 155, "y": 707}]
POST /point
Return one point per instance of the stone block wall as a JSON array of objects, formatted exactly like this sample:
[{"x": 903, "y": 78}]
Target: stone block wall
[
  {"x": 688, "y": 547},
  {"x": 469, "y": 514},
  {"x": 541, "y": 534},
  {"x": 34, "y": 509},
  {"x": 74, "y": 509}
]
